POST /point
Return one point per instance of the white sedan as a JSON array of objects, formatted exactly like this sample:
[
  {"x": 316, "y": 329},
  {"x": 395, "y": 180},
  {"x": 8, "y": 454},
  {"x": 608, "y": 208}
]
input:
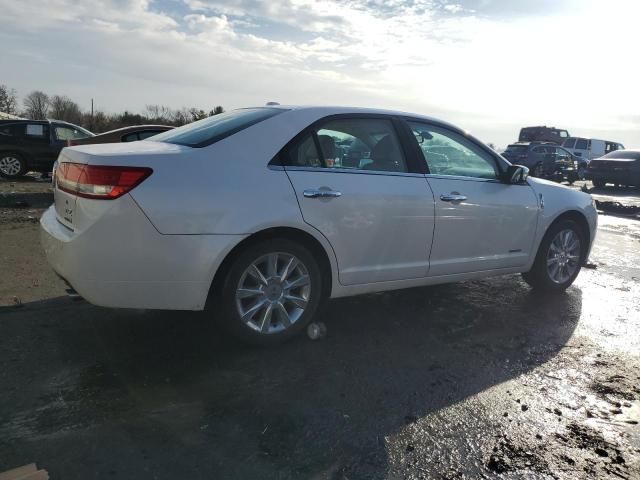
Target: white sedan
[{"x": 260, "y": 214}]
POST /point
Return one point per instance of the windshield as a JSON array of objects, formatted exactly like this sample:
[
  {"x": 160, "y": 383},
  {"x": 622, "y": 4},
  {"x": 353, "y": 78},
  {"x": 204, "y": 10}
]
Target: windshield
[
  {"x": 623, "y": 154},
  {"x": 212, "y": 129},
  {"x": 517, "y": 149}
]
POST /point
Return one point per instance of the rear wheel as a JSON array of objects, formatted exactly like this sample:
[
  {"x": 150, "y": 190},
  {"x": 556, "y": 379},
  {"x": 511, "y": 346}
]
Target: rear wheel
[
  {"x": 271, "y": 292},
  {"x": 12, "y": 165},
  {"x": 559, "y": 258}
]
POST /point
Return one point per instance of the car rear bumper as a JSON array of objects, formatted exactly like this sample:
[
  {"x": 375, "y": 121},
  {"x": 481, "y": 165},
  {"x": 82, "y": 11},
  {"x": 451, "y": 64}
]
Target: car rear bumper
[{"x": 122, "y": 261}]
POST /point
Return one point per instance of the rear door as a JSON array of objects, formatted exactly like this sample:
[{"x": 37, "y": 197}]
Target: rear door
[
  {"x": 37, "y": 144},
  {"x": 355, "y": 184},
  {"x": 481, "y": 223}
]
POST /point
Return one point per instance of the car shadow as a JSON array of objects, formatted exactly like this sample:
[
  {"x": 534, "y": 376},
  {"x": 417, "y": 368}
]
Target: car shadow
[{"x": 166, "y": 395}]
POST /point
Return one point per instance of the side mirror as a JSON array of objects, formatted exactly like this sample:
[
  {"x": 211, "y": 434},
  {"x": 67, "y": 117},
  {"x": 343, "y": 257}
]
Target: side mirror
[
  {"x": 516, "y": 174},
  {"x": 423, "y": 135}
]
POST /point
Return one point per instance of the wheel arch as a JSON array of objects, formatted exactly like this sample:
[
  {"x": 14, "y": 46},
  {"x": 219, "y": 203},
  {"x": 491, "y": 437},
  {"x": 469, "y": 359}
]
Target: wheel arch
[
  {"x": 580, "y": 219},
  {"x": 318, "y": 250}
]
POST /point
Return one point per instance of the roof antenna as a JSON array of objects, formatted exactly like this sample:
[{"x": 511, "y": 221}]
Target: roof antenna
[{"x": 272, "y": 103}]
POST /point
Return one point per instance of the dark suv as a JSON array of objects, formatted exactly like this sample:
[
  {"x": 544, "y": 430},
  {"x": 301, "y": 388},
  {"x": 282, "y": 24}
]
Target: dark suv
[
  {"x": 546, "y": 160},
  {"x": 34, "y": 145},
  {"x": 543, "y": 134}
]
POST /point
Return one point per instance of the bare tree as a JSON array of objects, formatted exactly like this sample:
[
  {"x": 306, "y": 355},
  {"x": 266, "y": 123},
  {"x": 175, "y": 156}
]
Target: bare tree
[
  {"x": 36, "y": 105},
  {"x": 63, "y": 108},
  {"x": 8, "y": 100},
  {"x": 216, "y": 111},
  {"x": 197, "y": 114},
  {"x": 181, "y": 116},
  {"x": 159, "y": 113}
]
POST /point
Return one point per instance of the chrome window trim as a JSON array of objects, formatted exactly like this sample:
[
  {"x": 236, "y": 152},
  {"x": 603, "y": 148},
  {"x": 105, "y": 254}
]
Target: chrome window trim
[
  {"x": 461, "y": 177},
  {"x": 352, "y": 171}
]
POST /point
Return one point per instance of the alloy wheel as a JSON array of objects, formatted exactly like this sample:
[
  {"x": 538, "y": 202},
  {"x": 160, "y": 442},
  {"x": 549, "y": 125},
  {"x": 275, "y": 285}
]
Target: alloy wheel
[
  {"x": 10, "y": 165},
  {"x": 273, "y": 293},
  {"x": 563, "y": 257}
]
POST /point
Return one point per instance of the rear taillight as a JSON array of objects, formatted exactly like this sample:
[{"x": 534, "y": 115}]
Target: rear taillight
[
  {"x": 71, "y": 143},
  {"x": 99, "y": 181}
]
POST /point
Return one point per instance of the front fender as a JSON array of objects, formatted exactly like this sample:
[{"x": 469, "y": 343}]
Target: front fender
[{"x": 556, "y": 200}]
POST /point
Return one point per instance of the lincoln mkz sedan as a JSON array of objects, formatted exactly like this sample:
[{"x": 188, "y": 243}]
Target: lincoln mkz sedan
[{"x": 260, "y": 214}]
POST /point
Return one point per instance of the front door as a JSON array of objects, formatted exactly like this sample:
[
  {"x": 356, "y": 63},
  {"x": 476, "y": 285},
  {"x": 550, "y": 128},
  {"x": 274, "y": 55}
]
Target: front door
[
  {"x": 354, "y": 185},
  {"x": 481, "y": 223}
]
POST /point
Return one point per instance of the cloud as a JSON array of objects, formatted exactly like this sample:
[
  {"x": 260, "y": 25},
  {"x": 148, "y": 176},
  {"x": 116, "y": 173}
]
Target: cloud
[{"x": 467, "y": 61}]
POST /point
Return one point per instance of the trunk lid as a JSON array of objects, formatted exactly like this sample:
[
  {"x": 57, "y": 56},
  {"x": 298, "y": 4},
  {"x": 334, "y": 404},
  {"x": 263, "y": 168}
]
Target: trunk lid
[{"x": 67, "y": 205}]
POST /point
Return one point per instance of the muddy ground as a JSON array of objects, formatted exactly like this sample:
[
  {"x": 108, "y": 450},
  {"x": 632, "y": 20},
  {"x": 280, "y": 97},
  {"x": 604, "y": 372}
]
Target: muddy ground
[{"x": 463, "y": 381}]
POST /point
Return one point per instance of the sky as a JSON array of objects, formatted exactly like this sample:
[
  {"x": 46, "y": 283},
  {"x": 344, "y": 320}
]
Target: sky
[{"x": 489, "y": 66}]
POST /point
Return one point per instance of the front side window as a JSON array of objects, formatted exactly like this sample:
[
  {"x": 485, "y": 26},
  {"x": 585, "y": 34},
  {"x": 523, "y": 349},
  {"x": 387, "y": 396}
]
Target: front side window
[
  {"x": 212, "y": 129},
  {"x": 358, "y": 143},
  {"x": 69, "y": 133},
  {"x": 449, "y": 153},
  {"x": 582, "y": 144}
]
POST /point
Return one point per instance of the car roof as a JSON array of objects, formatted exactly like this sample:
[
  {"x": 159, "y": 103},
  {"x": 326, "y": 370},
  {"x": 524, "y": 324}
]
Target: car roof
[
  {"x": 342, "y": 110},
  {"x": 135, "y": 128}
]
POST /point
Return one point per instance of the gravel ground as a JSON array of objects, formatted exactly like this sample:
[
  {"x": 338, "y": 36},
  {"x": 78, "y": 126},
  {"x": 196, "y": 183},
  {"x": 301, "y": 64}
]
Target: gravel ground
[{"x": 463, "y": 381}]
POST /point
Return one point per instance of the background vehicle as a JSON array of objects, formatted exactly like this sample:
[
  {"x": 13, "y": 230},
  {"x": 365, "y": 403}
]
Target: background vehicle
[
  {"x": 590, "y": 148},
  {"x": 621, "y": 167},
  {"x": 546, "y": 160},
  {"x": 543, "y": 134},
  {"x": 255, "y": 215},
  {"x": 33, "y": 145},
  {"x": 126, "y": 134}
]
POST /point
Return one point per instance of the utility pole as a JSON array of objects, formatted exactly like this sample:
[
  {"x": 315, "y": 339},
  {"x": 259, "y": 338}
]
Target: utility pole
[{"x": 91, "y": 128}]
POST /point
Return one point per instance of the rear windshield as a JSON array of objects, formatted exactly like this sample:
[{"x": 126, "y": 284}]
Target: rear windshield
[
  {"x": 623, "y": 154},
  {"x": 517, "y": 149},
  {"x": 210, "y": 130},
  {"x": 527, "y": 134}
]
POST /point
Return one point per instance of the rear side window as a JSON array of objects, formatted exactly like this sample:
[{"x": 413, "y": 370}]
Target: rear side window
[
  {"x": 11, "y": 130},
  {"x": 582, "y": 144},
  {"x": 148, "y": 133},
  {"x": 130, "y": 137},
  {"x": 569, "y": 143},
  {"x": 37, "y": 130},
  {"x": 210, "y": 130}
]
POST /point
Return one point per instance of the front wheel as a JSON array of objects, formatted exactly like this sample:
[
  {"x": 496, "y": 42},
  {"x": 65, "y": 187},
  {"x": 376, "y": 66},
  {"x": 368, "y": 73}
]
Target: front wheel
[
  {"x": 538, "y": 171},
  {"x": 12, "y": 165},
  {"x": 559, "y": 258},
  {"x": 271, "y": 292}
]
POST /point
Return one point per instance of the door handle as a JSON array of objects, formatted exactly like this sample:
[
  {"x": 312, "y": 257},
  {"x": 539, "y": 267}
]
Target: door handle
[
  {"x": 314, "y": 193},
  {"x": 453, "y": 197}
]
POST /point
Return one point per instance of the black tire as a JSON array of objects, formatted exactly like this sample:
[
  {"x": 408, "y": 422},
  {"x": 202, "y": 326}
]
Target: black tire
[
  {"x": 538, "y": 277},
  {"x": 16, "y": 159},
  {"x": 225, "y": 298},
  {"x": 581, "y": 171},
  {"x": 537, "y": 171},
  {"x": 599, "y": 183}
]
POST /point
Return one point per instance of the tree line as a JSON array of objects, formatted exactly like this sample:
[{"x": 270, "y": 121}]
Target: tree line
[{"x": 38, "y": 105}]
